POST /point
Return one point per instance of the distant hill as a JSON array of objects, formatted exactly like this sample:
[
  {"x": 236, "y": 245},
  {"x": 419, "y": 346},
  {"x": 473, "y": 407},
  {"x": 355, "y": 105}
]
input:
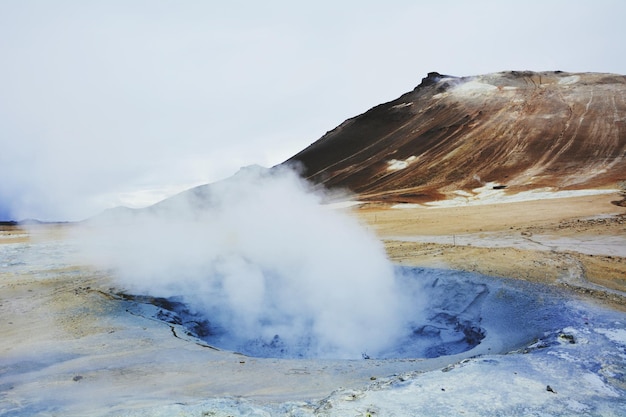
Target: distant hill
[{"x": 516, "y": 130}]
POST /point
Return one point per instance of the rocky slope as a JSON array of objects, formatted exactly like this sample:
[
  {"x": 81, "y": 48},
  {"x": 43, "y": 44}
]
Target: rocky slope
[{"x": 512, "y": 130}]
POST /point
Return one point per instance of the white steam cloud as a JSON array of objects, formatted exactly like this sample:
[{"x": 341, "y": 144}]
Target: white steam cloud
[{"x": 260, "y": 256}]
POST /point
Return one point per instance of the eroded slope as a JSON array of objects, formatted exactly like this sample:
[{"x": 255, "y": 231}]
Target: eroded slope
[{"x": 519, "y": 130}]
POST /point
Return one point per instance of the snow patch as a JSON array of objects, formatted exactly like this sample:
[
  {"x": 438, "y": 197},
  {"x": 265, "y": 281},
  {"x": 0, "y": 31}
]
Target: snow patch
[
  {"x": 407, "y": 206},
  {"x": 396, "y": 165},
  {"x": 572, "y": 79},
  {"x": 472, "y": 88},
  {"x": 402, "y": 105},
  {"x": 488, "y": 195}
]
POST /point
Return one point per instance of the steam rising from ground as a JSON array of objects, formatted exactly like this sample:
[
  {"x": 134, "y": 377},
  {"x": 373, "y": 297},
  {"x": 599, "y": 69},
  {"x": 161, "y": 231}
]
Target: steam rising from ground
[{"x": 261, "y": 257}]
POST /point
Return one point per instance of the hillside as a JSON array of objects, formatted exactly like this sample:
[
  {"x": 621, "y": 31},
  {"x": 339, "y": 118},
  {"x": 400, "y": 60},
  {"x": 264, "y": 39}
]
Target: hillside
[{"x": 511, "y": 130}]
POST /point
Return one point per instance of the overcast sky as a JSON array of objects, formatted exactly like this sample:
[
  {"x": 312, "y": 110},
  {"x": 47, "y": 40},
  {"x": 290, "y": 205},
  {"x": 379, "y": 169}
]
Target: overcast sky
[{"x": 106, "y": 103}]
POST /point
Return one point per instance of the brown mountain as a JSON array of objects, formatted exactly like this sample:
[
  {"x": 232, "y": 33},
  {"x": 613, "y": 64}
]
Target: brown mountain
[{"x": 517, "y": 130}]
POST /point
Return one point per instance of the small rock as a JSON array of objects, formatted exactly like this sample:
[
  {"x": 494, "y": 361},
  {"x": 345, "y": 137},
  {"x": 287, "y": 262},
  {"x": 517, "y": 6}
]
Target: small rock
[{"x": 77, "y": 378}]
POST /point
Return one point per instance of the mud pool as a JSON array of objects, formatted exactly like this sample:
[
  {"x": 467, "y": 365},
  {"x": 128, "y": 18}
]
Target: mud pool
[
  {"x": 73, "y": 344},
  {"x": 454, "y": 312}
]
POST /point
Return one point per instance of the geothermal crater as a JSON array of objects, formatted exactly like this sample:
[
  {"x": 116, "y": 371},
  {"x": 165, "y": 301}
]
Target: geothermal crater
[{"x": 452, "y": 312}]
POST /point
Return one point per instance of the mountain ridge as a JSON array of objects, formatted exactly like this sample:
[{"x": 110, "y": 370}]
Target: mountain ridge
[
  {"x": 512, "y": 131},
  {"x": 518, "y": 130}
]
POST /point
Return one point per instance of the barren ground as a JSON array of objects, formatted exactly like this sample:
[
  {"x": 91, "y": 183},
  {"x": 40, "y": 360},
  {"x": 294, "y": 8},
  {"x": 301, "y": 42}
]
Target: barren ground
[
  {"x": 577, "y": 242},
  {"x": 68, "y": 344}
]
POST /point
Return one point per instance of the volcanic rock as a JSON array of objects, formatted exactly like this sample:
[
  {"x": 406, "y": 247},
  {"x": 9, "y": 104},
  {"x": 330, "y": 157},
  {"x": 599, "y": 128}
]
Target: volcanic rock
[{"x": 513, "y": 130}]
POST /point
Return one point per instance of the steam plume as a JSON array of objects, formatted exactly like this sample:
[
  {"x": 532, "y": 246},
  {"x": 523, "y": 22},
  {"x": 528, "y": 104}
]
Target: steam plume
[{"x": 261, "y": 257}]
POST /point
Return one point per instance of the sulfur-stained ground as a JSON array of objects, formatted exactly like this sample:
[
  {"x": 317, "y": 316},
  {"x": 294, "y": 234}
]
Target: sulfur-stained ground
[{"x": 578, "y": 242}]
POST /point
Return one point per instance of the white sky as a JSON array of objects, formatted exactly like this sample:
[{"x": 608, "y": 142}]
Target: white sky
[{"x": 106, "y": 103}]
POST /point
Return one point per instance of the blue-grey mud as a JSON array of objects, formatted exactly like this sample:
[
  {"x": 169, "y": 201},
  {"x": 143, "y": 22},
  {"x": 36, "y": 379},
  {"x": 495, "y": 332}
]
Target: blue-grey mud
[{"x": 452, "y": 312}]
